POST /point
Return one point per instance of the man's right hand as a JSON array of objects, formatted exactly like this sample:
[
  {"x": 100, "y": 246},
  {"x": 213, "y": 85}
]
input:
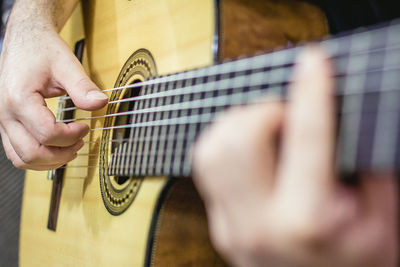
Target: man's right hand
[{"x": 36, "y": 64}]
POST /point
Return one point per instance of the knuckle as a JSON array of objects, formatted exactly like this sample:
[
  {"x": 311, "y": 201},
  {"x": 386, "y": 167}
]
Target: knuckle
[{"x": 46, "y": 134}]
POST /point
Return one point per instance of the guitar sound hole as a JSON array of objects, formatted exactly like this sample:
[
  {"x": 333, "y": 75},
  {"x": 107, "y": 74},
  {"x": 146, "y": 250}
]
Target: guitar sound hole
[{"x": 122, "y": 135}]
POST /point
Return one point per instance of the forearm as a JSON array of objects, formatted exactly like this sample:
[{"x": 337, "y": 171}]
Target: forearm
[
  {"x": 40, "y": 14},
  {"x": 36, "y": 63}
]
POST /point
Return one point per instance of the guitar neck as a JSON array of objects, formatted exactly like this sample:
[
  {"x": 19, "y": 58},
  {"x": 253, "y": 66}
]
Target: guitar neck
[{"x": 171, "y": 111}]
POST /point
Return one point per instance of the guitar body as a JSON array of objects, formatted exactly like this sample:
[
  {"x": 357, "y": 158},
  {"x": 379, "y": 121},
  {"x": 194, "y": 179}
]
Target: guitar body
[{"x": 165, "y": 223}]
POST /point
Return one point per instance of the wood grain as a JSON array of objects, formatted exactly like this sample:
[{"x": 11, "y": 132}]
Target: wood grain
[{"x": 250, "y": 26}]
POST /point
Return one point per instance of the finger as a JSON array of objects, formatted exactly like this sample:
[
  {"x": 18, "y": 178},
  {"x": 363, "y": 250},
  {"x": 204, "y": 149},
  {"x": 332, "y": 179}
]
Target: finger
[
  {"x": 42, "y": 125},
  {"x": 307, "y": 162},
  {"x": 16, "y": 161},
  {"x": 84, "y": 93},
  {"x": 31, "y": 152},
  {"x": 236, "y": 155}
]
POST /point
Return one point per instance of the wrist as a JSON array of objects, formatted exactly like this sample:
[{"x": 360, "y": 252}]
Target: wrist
[{"x": 40, "y": 15}]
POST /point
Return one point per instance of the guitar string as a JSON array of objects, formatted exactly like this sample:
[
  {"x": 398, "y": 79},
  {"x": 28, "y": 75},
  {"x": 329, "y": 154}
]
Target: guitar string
[
  {"x": 92, "y": 156},
  {"x": 188, "y": 120},
  {"x": 223, "y": 104},
  {"x": 208, "y": 119},
  {"x": 190, "y": 89},
  {"x": 264, "y": 100},
  {"x": 153, "y": 137},
  {"x": 236, "y": 63},
  {"x": 208, "y": 102},
  {"x": 97, "y": 154}
]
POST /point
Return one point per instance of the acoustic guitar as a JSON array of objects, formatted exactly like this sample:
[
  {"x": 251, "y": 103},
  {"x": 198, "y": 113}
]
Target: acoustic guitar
[{"x": 127, "y": 200}]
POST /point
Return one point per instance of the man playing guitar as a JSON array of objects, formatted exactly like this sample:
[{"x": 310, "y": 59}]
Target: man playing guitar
[{"x": 339, "y": 225}]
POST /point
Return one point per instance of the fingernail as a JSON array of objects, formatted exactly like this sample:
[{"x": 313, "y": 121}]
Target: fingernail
[{"x": 96, "y": 95}]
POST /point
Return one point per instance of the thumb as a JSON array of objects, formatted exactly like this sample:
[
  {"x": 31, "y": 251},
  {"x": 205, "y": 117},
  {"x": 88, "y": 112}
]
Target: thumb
[{"x": 83, "y": 92}]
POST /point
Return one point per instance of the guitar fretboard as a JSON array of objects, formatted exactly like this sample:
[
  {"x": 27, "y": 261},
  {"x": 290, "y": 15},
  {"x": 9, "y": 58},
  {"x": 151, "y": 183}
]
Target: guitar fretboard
[{"x": 170, "y": 112}]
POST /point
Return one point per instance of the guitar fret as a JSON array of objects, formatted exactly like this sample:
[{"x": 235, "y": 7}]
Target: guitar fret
[
  {"x": 159, "y": 116},
  {"x": 210, "y": 84},
  {"x": 151, "y": 168},
  {"x": 144, "y": 144},
  {"x": 162, "y": 146},
  {"x": 147, "y": 131},
  {"x": 139, "y": 164},
  {"x": 148, "y": 166},
  {"x": 132, "y": 135},
  {"x": 153, "y": 148},
  {"x": 138, "y": 119},
  {"x": 152, "y": 158},
  {"x": 161, "y": 142},
  {"x": 193, "y": 130},
  {"x": 170, "y": 148},
  {"x": 183, "y": 152},
  {"x": 170, "y": 129},
  {"x": 177, "y": 162},
  {"x": 178, "y": 141},
  {"x": 369, "y": 125},
  {"x": 145, "y": 147}
]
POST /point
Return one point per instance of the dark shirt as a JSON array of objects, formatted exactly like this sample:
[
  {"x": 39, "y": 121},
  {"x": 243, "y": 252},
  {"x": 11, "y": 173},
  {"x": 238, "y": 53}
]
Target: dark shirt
[{"x": 344, "y": 15}]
